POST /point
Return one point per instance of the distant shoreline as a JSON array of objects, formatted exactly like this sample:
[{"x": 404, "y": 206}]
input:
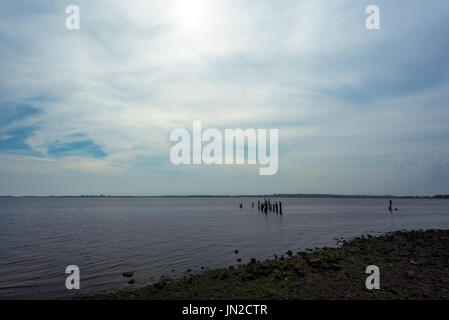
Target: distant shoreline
[{"x": 324, "y": 196}]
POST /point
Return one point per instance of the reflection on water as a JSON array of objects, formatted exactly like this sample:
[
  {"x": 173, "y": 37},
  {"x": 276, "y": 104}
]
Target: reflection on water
[{"x": 105, "y": 237}]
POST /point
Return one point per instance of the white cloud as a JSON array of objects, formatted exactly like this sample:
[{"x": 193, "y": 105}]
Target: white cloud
[{"x": 135, "y": 71}]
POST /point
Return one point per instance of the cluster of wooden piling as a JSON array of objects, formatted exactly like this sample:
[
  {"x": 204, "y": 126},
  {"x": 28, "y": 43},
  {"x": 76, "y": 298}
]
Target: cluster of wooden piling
[{"x": 266, "y": 206}]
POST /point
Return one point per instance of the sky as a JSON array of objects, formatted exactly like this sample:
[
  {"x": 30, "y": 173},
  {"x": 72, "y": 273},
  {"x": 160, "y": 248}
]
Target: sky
[{"x": 90, "y": 111}]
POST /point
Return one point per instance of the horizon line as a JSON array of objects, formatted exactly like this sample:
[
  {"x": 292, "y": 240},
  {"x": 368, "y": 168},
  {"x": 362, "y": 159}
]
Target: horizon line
[{"x": 278, "y": 195}]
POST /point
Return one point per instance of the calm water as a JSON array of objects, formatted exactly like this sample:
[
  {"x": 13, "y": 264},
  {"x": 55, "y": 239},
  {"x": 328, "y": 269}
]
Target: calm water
[{"x": 105, "y": 237}]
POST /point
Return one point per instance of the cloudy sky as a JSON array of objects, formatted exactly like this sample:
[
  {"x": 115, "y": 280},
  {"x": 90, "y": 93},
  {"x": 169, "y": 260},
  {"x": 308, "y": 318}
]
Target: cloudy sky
[{"x": 90, "y": 111}]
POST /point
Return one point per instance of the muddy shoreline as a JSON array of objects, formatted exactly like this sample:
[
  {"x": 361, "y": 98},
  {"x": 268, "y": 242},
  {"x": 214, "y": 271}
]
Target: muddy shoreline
[{"x": 413, "y": 265}]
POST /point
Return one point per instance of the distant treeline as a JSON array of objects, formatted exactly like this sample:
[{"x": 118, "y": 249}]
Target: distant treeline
[
  {"x": 439, "y": 196},
  {"x": 276, "y": 195}
]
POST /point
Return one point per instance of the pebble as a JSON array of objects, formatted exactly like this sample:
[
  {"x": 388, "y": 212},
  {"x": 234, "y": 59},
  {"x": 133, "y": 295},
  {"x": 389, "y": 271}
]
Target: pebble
[{"x": 410, "y": 274}]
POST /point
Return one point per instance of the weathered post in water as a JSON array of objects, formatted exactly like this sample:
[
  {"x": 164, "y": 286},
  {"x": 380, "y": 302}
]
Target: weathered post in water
[
  {"x": 258, "y": 205},
  {"x": 253, "y": 204},
  {"x": 280, "y": 208}
]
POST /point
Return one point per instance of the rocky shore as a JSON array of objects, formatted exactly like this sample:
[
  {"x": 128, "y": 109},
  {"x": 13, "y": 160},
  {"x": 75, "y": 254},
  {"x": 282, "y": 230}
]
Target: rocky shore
[{"x": 413, "y": 265}]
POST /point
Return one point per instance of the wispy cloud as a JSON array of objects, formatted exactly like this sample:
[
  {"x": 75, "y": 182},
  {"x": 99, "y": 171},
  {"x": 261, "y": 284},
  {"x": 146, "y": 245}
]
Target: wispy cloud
[{"x": 351, "y": 104}]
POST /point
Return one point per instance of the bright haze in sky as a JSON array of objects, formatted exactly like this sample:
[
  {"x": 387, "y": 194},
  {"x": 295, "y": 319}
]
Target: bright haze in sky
[{"x": 90, "y": 111}]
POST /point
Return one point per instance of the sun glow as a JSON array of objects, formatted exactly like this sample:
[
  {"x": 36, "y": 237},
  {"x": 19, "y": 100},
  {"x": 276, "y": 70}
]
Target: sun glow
[{"x": 193, "y": 16}]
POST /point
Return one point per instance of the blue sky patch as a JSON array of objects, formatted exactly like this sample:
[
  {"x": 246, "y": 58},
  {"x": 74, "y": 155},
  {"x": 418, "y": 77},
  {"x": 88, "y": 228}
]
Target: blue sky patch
[
  {"x": 76, "y": 148},
  {"x": 10, "y": 113},
  {"x": 12, "y": 140}
]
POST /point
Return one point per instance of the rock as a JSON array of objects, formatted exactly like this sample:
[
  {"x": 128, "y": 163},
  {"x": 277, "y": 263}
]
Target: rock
[
  {"x": 324, "y": 266},
  {"x": 313, "y": 260},
  {"x": 289, "y": 253},
  {"x": 410, "y": 274},
  {"x": 298, "y": 269},
  {"x": 393, "y": 291},
  {"x": 264, "y": 267},
  {"x": 239, "y": 260},
  {"x": 250, "y": 268},
  {"x": 335, "y": 266},
  {"x": 162, "y": 283},
  {"x": 265, "y": 272},
  {"x": 128, "y": 274},
  {"x": 131, "y": 281},
  {"x": 236, "y": 251},
  {"x": 250, "y": 277}
]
